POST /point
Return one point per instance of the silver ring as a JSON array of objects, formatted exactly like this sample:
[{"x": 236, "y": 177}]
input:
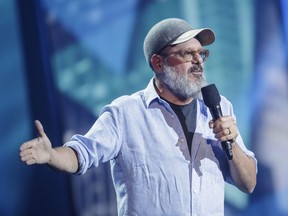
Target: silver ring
[{"x": 229, "y": 131}]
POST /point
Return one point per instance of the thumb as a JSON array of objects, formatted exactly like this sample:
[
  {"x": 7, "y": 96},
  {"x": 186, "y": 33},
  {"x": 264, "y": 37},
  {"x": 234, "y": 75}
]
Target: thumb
[
  {"x": 40, "y": 128},
  {"x": 211, "y": 124}
]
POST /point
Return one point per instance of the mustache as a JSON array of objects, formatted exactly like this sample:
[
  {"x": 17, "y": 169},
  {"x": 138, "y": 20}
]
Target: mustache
[{"x": 196, "y": 68}]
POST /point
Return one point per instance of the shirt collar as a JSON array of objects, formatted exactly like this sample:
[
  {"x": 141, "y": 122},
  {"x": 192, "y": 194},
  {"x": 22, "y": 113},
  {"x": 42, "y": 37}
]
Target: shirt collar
[{"x": 150, "y": 93}]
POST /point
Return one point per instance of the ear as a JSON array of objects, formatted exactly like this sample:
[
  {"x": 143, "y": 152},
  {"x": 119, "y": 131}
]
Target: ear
[{"x": 157, "y": 63}]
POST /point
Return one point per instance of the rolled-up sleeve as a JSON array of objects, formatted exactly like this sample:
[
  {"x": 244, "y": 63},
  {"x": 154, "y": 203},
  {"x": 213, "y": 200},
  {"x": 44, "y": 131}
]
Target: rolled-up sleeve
[{"x": 101, "y": 143}]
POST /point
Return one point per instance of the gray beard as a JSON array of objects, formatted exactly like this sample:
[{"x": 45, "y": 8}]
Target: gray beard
[{"x": 180, "y": 85}]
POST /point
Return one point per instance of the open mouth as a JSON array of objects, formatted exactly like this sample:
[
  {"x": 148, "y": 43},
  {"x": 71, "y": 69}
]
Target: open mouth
[{"x": 197, "y": 68}]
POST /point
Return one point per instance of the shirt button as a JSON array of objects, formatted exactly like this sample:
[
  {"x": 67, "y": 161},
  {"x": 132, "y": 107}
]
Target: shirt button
[
  {"x": 172, "y": 116},
  {"x": 182, "y": 140},
  {"x": 195, "y": 191}
]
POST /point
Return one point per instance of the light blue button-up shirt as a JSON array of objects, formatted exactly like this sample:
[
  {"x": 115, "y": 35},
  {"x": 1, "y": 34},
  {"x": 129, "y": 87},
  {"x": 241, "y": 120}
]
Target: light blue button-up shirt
[{"x": 153, "y": 172}]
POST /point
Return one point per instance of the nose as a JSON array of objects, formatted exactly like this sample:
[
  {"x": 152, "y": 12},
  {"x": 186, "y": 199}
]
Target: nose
[{"x": 197, "y": 59}]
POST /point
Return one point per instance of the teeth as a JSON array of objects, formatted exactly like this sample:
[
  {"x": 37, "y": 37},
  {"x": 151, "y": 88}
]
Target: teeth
[
  {"x": 196, "y": 68},
  {"x": 196, "y": 71}
]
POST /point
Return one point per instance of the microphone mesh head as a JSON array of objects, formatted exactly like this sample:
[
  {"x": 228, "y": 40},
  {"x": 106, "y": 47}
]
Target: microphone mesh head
[{"x": 210, "y": 95}]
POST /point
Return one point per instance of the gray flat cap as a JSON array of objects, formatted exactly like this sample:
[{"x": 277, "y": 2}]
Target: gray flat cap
[{"x": 173, "y": 31}]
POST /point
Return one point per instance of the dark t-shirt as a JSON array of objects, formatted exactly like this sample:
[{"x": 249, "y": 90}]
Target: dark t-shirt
[{"x": 187, "y": 116}]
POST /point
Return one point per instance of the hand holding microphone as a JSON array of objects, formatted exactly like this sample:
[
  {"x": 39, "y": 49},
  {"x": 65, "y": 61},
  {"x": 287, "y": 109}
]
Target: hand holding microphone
[{"x": 224, "y": 127}]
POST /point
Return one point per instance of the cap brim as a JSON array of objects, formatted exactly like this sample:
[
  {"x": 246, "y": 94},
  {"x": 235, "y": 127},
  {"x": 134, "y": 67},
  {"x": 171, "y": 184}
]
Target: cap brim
[{"x": 205, "y": 36}]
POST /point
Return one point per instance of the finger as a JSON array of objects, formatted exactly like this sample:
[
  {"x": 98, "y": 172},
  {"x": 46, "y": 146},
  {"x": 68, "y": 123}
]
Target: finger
[
  {"x": 31, "y": 161},
  {"x": 24, "y": 153},
  {"x": 227, "y": 131},
  {"x": 227, "y": 134},
  {"x": 27, "y": 145},
  {"x": 27, "y": 156},
  {"x": 223, "y": 123},
  {"x": 27, "y": 152},
  {"x": 39, "y": 128}
]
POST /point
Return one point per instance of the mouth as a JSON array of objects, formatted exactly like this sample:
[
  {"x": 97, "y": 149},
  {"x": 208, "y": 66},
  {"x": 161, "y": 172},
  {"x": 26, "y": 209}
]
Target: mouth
[{"x": 196, "y": 69}]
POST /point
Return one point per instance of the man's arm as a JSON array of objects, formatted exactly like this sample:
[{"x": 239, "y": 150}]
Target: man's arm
[
  {"x": 40, "y": 151},
  {"x": 242, "y": 167},
  {"x": 243, "y": 170}
]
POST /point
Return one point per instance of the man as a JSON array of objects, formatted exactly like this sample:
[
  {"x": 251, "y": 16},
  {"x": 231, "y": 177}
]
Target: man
[{"x": 164, "y": 149}]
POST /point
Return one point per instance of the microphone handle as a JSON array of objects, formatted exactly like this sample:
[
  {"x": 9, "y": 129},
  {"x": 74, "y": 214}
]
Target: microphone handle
[
  {"x": 216, "y": 113},
  {"x": 227, "y": 147}
]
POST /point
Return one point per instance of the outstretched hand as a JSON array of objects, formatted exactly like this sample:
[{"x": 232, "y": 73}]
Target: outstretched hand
[{"x": 38, "y": 150}]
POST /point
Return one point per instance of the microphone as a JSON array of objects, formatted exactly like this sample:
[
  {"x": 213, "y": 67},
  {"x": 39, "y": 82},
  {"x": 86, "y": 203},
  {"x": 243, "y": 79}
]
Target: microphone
[{"x": 212, "y": 100}]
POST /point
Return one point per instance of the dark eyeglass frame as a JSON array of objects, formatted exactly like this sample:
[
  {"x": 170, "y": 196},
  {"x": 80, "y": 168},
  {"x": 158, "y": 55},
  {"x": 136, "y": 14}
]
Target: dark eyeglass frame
[{"x": 188, "y": 55}]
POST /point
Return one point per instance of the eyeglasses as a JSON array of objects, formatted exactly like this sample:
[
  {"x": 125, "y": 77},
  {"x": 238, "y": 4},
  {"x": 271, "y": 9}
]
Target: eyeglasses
[{"x": 189, "y": 55}]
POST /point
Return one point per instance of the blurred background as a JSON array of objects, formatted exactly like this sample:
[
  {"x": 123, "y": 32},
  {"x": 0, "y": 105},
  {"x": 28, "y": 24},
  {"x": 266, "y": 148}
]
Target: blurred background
[{"x": 63, "y": 60}]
